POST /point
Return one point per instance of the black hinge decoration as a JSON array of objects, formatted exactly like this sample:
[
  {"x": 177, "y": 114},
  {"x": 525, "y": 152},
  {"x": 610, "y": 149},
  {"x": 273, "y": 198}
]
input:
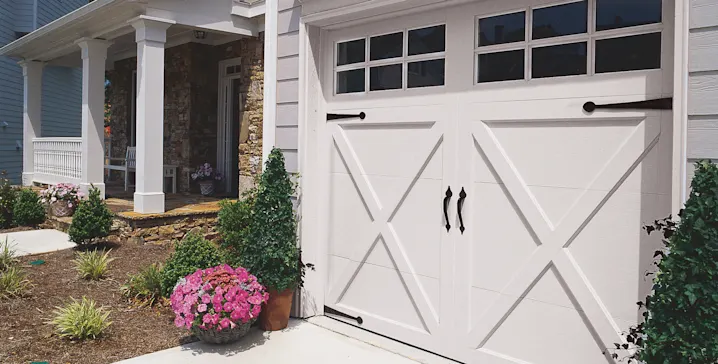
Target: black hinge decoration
[
  {"x": 657, "y": 104},
  {"x": 331, "y": 311},
  {"x": 360, "y": 115}
]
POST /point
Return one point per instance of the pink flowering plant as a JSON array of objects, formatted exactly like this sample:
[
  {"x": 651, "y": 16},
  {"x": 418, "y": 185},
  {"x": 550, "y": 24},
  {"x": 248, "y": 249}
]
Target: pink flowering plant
[
  {"x": 217, "y": 298},
  {"x": 67, "y": 192},
  {"x": 205, "y": 172}
]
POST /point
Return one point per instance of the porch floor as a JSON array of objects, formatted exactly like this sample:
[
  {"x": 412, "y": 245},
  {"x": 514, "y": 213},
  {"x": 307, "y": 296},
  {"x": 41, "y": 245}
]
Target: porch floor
[{"x": 179, "y": 204}]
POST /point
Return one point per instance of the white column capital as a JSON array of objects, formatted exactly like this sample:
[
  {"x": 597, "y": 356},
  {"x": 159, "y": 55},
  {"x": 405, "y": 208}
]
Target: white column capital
[
  {"x": 151, "y": 29},
  {"x": 31, "y": 66},
  {"x": 95, "y": 48}
]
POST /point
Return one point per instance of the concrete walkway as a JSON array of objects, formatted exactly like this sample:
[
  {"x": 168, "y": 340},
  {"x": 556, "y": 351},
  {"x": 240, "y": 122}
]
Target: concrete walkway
[
  {"x": 301, "y": 343},
  {"x": 37, "y": 241}
]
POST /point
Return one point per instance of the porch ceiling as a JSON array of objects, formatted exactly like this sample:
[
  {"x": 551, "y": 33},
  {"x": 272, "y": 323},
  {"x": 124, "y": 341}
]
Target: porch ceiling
[{"x": 108, "y": 19}]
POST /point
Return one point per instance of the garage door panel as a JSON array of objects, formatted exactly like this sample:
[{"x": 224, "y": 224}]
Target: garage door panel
[
  {"x": 349, "y": 221},
  {"x": 395, "y": 149},
  {"x": 501, "y": 241},
  {"x": 613, "y": 251},
  {"x": 533, "y": 326},
  {"x": 386, "y": 285},
  {"x": 560, "y": 153}
]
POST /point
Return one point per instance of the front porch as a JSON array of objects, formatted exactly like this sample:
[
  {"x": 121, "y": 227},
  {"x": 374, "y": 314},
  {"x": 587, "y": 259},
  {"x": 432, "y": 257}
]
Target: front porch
[
  {"x": 184, "y": 212},
  {"x": 184, "y": 87}
]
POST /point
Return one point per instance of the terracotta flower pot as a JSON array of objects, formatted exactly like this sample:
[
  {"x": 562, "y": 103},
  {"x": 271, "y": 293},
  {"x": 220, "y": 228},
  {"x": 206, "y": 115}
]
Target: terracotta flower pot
[{"x": 275, "y": 313}]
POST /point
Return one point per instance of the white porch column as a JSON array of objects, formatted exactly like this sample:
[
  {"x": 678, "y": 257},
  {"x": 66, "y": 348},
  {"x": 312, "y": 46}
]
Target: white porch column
[
  {"x": 32, "y": 115},
  {"x": 94, "y": 55},
  {"x": 150, "y": 35}
]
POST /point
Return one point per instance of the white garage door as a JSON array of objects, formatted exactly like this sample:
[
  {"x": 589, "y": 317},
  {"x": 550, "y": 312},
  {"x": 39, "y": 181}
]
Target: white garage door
[{"x": 477, "y": 210}]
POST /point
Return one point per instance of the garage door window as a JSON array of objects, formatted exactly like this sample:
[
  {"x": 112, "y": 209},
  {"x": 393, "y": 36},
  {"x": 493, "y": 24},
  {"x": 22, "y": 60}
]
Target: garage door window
[
  {"x": 406, "y": 59},
  {"x": 570, "y": 38}
]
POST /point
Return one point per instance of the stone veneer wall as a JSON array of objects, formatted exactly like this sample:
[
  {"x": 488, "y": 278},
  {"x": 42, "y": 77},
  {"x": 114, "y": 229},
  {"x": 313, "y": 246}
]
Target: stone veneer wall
[{"x": 191, "y": 85}]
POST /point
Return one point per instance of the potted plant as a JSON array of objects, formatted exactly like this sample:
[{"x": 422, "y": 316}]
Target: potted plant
[
  {"x": 206, "y": 176},
  {"x": 63, "y": 198},
  {"x": 269, "y": 247},
  {"x": 219, "y": 304}
]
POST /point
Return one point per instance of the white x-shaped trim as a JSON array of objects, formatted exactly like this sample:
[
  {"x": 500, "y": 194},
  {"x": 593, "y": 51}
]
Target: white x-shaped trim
[
  {"x": 381, "y": 225},
  {"x": 554, "y": 241}
]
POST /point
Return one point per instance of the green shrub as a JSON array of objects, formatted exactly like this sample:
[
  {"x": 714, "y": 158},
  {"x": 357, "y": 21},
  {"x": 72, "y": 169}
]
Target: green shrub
[
  {"x": 270, "y": 249},
  {"x": 92, "y": 220},
  {"x": 144, "y": 287},
  {"x": 13, "y": 283},
  {"x": 233, "y": 222},
  {"x": 80, "y": 320},
  {"x": 7, "y": 256},
  {"x": 192, "y": 253},
  {"x": 28, "y": 211},
  {"x": 681, "y": 314},
  {"x": 8, "y": 194},
  {"x": 93, "y": 265}
]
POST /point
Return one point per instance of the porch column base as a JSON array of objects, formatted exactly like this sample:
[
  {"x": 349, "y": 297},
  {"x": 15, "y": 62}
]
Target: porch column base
[
  {"x": 85, "y": 188},
  {"x": 28, "y": 178},
  {"x": 149, "y": 202}
]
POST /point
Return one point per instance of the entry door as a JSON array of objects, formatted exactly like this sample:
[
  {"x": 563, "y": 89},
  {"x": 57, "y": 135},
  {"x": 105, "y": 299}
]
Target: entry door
[{"x": 229, "y": 124}]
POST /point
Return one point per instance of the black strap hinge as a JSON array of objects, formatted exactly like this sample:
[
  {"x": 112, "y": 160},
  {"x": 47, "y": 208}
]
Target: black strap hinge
[
  {"x": 657, "y": 104},
  {"x": 360, "y": 115},
  {"x": 330, "y": 311}
]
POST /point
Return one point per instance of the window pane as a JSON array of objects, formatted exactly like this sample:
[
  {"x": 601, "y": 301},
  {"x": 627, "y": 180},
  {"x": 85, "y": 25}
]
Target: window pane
[
  {"x": 502, "y": 29},
  {"x": 350, "y": 81},
  {"x": 426, "y": 73},
  {"x": 427, "y": 40},
  {"x": 638, "y": 52},
  {"x": 501, "y": 66},
  {"x": 612, "y": 14},
  {"x": 559, "y": 60},
  {"x": 385, "y": 77},
  {"x": 560, "y": 20},
  {"x": 386, "y": 46},
  {"x": 351, "y": 52}
]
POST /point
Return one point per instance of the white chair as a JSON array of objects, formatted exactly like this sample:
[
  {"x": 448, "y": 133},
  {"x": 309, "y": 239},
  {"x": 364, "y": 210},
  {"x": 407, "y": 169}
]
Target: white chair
[{"x": 129, "y": 164}]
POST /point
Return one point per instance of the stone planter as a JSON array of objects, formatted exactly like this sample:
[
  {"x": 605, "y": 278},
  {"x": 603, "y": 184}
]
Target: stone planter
[
  {"x": 206, "y": 188},
  {"x": 61, "y": 209},
  {"x": 226, "y": 336}
]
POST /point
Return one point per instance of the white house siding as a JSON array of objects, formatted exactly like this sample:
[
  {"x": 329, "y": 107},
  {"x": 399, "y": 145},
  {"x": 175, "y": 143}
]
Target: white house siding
[
  {"x": 62, "y": 86},
  {"x": 702, "y": 82},
  {"x": 287, "y": 132}
]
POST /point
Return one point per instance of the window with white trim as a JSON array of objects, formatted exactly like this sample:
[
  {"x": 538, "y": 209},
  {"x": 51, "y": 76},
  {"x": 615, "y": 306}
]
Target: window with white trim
[
  {"x": 568, "y": 39},
  {"x": 411, "y": 58}
]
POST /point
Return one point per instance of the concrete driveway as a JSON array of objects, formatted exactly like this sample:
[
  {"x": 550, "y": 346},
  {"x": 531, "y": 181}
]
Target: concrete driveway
[
  {"x": 302, "y": 342},
  {"x": 37, "y": 241}
]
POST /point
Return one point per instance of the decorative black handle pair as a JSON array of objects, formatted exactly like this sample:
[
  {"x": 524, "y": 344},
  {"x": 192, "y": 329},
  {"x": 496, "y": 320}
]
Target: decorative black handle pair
[{"x": 460, "y": 207}]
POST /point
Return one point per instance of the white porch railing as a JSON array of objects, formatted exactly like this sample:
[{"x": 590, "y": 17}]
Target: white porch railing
[{"x": 57, "y": 160}]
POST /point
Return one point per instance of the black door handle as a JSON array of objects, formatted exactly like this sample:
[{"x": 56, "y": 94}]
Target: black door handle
[
  {"x": 446, "y": 207},
  {"x": 657, "y": 104},
  {"x": 360, "y": 115},
  {"x": 460, "y": 206}
]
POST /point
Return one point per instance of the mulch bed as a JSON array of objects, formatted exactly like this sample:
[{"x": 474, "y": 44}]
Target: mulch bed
[{"x": 25, "y": 336}]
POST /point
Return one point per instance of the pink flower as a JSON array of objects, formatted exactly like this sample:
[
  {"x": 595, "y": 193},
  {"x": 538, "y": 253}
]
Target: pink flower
[
  {"x": 207, "y": 318},
  {"x": 228, "y": 306},
  {"x": 256, "y": 310},
  {"x": 206, "y": 299},
  {"x": 224, "y": 323},
  {"x": 179, "y": 322},
  {"x": 202, "y": 307},
  {"x": 256, "y": 299},
  {"x": 235, "y": 315}
]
